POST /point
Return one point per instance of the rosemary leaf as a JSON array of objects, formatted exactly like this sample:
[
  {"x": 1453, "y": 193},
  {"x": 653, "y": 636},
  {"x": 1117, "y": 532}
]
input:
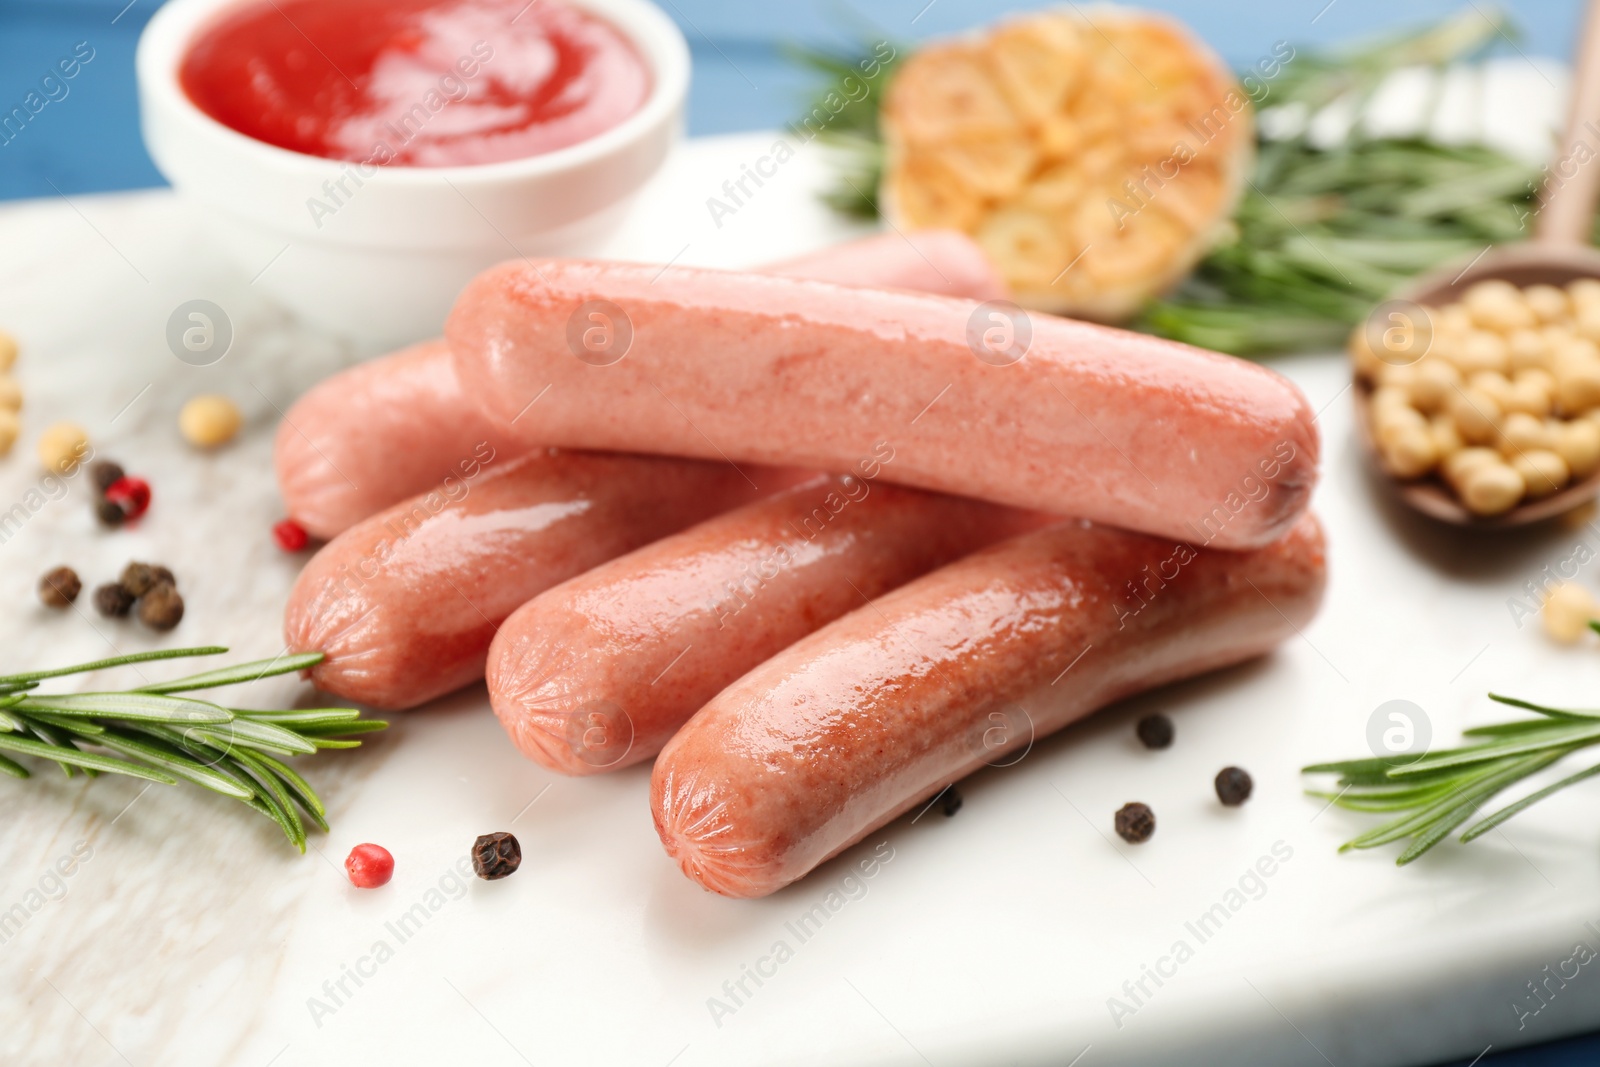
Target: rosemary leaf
[
  {"x": 1481, "y": 828},
  {"x": 83, "y": 727},
  {"x": 301, "y": 717},
  {"x": 1560, "y": 740},
  {"x": 214, "y": 757},
  {"x": 141, "y": 707},
  {"x": 275, "y": 795},
  {"x": 172, "y": 761},
  {"x": 1554, "y": 713},
  {"x": 46, "y": 734},
  {"x": 1508, "y": 729},
  {"x": 244, "y": 672},
  {"x": 1437, "y": 831},
  {"x": 82, "y": 759},
  {"x": 1375, "y": 772},
  {"x": 247, "y": 733},
  {"x": 114, "y": 661},
  {"x": 344, "y": 729},
  {"x": 1378, "y": 799},
  {"x": 298, "y": 786}
]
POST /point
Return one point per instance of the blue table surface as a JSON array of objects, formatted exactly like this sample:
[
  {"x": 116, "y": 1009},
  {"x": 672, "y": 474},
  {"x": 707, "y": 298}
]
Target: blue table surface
[{"x": 88, "y": 141}]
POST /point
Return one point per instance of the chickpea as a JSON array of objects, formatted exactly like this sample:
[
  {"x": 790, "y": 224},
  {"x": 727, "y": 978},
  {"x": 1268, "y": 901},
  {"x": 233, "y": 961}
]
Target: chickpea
[
  {"x": 1522, "y": 431},
  {"x": 10, "y": 394},
  {"x": 1578, "y": 443},
  {"x": 1481, "y": 350},
  {"x": 1476, "y": 415},
  {"x": 1573, "y": 349},
  {"x": 1389, "y": 421},
  {"x": 1587, "y": 322},
  {"x": 1446, "y": 438},
  {"x": 1567, "y": 611},
  {"x": 1488, "y": 293},
  {"x": 1543, "y": 378},
  {"x": 1433, "y": 383},
  {"x": 1577, "y": 385},
  {"x": 1549, "y": 303},
  {"x": 1498, "y": 305},
  {"x": 1388, "y": 396},
  {"x": 1532, "y": 391},
  {"x": 1462, "y": 463},
  {"x": 1528, "y": 349},
  {"x": 209, "y": 421},
  {"x": 1514, "y": 316},
  {"x": 1401, "y": 376},
  {"x": 1543, "y": 472},
  {"x": 1452, "y": 319},
  {"x": 8, "y": 351},
  {"x": 1556, "y": 339},
  {"x": 1583, "y": 291},
  {"x": 1410, "y": 452},
  {"x": 1444, "y": 345},
  {"x": 1491, "y": 489},
  {"x": 62, "y": 446},
  {"x": 1495, "y": 386},
  {"x": 10, "y": 430}
]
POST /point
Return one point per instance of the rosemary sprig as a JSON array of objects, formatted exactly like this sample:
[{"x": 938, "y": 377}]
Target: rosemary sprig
[
  {"x": 1433, "y": 794},
  {"x": 155, "y": 735},
  {"x": 852, "y": 130}
]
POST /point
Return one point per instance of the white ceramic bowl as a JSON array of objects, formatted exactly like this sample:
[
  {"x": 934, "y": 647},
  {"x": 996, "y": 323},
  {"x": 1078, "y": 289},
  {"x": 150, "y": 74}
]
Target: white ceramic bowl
[{"x": 386, "y": 265}]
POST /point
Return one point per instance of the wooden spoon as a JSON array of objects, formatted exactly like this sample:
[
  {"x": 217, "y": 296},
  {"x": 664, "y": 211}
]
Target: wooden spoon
[{"x": 1559, "y": 253}]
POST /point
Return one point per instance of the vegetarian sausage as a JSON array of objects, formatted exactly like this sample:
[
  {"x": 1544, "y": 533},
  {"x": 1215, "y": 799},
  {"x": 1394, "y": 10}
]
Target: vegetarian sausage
[
  {"x": 598, "y": 672},
  {"x": 405, "y": 603},
  {"x": 871, "y": 715},
  {"x": 375, "y": 434},
  {"x": 943, "y": 262},
  {"x": 391, "y": 428},
  {"x": 1036, "y": 412}
]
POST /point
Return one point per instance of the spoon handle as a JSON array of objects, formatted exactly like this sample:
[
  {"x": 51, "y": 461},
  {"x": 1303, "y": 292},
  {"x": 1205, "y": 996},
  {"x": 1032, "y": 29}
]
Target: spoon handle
[{"x": 1567, "y": 197}]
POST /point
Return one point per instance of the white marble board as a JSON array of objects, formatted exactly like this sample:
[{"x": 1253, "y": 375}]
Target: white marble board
[{"x": 193, "y": 935}]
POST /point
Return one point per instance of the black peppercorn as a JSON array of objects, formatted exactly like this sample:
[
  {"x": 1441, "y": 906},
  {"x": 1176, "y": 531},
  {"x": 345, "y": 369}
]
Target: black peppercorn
[
  {"x": 496, "y": 855},
  {"x": 140, "y": 578},
  {"x": 102, "y": 472},
  {"x": 109, "y": 512},
  {"x": 1233, "y": 786},
  {"x": 60, "y": 587},
  {"x": 952, "y": 802},
  {"x": 1135, "y": 823},
  {"x": 161, "y": 608},
  {"x": 112, "y": 600},
  {"x": 1155, "y": 731}
]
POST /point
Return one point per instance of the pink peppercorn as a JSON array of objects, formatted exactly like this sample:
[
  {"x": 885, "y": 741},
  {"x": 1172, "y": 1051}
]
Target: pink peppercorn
[
  {"x": 290, "y": 535},
  {"x": 131, "y": 494},
  {"x": 369, "y": 866}
]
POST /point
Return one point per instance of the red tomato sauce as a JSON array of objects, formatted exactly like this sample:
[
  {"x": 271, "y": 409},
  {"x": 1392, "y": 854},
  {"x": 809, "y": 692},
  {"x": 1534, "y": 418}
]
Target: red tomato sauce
[{"x": 421, "y": 83}]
